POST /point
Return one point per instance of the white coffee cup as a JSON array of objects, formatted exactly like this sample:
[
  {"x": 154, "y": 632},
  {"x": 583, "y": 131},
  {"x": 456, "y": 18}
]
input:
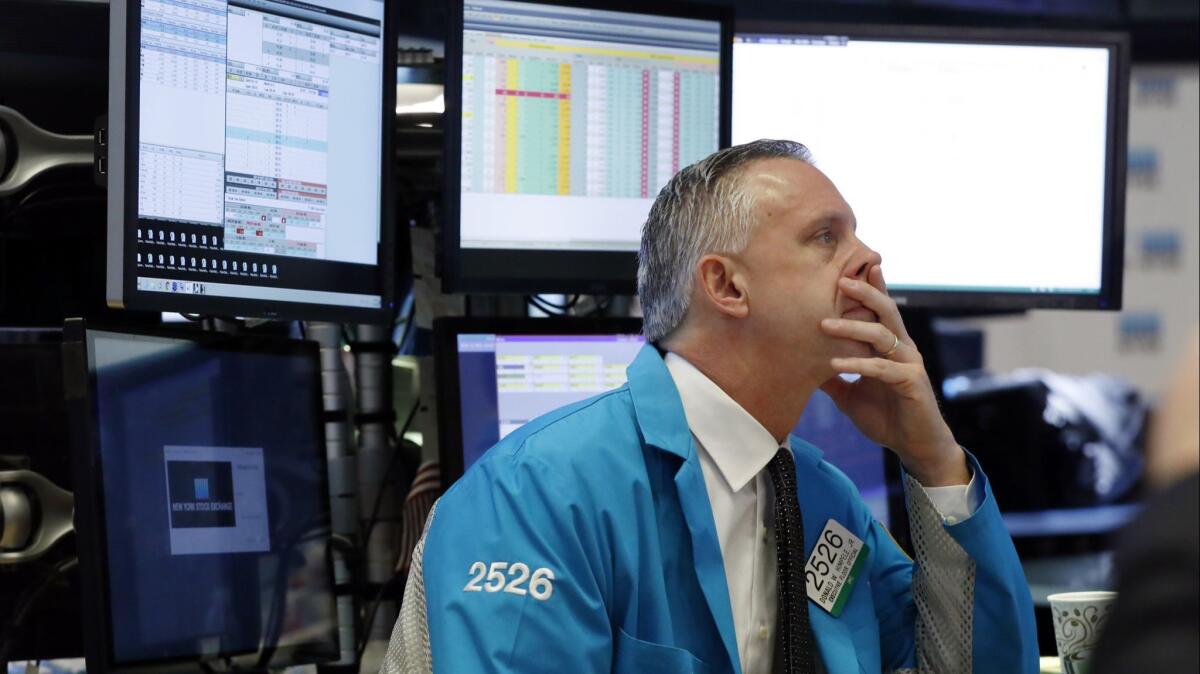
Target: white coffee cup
[{"x": 1079, "y": 620}]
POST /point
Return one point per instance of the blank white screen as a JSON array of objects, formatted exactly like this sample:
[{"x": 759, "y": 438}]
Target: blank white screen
[{"x": 968, "y": 166}]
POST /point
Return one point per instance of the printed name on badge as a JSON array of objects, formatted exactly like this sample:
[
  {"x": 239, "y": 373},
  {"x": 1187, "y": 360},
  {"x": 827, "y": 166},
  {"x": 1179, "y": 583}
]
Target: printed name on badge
[{"x": 834, "y": 566}]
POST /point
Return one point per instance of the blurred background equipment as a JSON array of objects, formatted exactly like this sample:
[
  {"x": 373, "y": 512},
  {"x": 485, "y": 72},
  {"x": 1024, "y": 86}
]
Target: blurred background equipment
[
  {"x": 34, "y": 515},
  {"x": 1051, "y": 441}
]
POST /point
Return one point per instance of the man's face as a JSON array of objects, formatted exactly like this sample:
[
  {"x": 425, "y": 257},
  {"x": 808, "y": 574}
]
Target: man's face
[{"x": 802, "y": 243}]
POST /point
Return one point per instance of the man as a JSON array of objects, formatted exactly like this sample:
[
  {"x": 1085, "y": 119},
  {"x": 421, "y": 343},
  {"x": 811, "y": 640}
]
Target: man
[
  {"x": 1154, "y": 623},
  {"x": 667, "y": 526}
]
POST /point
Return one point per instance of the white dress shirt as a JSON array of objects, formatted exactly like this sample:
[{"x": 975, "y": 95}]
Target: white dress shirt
[{"x": 734, "y": 449}]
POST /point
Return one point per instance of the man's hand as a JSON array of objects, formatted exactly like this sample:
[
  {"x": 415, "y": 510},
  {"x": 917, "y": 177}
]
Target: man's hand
[{"x": 893, "y": 402}]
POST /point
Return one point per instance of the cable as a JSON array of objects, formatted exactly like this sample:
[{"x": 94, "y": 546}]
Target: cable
[
  {"x": 539, "y": 303},
  {"x": 387, "y": 472},
  {"x": 548, "y": 307},
  {"x": 404, "y": 333},
  {"x": 383, "y": 588},
  {"x": 406, "y": 307},
  {"x": 392, "y": 461},
  {"x": 543, "y": 308},
  {"x": 409, "y": 308},
  {"x": 571, "y": 302},
  {"x": 344, "y": 544}
]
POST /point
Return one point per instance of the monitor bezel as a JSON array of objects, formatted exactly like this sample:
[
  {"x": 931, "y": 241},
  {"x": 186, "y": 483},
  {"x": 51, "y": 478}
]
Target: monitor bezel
[
  {"x": 536, "y": 271},
  {"x": 445, "y": 362},
  {"x": 122, "y": 221},
  {"x": 91, "y": 526},
  {"x": 1109, "y": 297}
]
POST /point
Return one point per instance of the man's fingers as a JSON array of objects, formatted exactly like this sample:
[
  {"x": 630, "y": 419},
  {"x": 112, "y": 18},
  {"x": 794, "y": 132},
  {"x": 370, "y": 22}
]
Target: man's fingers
[
  {"x": 875, "y": 300},
  {"x": 886, "y": 371},
  {"x": 875, "y": 334}
]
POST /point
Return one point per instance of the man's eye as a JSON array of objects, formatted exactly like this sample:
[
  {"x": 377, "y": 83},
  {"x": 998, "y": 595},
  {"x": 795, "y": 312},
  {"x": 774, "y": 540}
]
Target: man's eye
[{"x": 827, "y": 237}]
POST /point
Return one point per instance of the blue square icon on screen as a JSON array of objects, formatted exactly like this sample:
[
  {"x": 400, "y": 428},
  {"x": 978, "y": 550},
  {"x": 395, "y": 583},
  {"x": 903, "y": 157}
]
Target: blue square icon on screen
[{"x": 201, "y": 484}]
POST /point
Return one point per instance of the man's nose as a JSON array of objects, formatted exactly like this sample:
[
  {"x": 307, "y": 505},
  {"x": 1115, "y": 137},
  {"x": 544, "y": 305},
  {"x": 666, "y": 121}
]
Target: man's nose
[{"x": 862, "y": 261}]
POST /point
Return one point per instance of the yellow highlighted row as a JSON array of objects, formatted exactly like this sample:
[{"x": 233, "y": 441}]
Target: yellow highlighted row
[
  {"x": 564, "y": 131},
  {"x": 510, "y": 120}
]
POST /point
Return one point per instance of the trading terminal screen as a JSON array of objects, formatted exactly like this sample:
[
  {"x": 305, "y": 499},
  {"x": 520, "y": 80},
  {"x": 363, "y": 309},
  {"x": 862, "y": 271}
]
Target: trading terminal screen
[
  {"x": 971, "y": 167},
  {"x": 259, "y": 142},
  {"x": 573, "y": 119}
]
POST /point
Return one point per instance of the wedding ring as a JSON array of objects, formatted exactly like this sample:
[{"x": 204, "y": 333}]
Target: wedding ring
[{"x": 895, "y": 345}]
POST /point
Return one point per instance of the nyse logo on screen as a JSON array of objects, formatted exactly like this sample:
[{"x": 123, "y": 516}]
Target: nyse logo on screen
[{"x": 201, "y": 494}]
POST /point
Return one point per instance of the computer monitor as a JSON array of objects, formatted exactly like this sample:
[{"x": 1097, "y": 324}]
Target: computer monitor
[
  {"x": 249, "y": 157},
  {"x": 495, "y": 375},
  {"x": 563, "y": 121},
  {"x": 201, "y": 489},
  {"x": 986, "y": 166}
]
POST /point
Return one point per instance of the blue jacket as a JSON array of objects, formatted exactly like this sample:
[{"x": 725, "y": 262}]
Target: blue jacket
[{"x": 585, "y": 542}]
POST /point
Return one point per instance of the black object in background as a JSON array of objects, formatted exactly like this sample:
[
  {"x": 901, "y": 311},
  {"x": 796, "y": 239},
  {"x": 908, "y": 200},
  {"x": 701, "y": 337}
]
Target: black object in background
[
  {"x": 33, "y": 436},
  {"x": 54, "y": 71},
  {"x": 256, "y": 583},
  {"x": 1050, "y": 441},
  {"x": 1154, "y": 624}
]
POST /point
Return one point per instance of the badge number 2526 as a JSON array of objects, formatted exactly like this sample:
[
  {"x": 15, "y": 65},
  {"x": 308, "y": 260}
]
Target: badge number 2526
[
  {"x": 540, "y": 581},
  {"x": 834, "y": 566}
]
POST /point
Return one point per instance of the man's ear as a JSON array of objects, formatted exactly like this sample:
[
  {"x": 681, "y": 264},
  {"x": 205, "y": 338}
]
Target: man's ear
[{"x": 724, "y": 285}]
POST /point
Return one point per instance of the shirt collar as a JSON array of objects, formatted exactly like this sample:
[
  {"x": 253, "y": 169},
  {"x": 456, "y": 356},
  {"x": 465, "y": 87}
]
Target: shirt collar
[{"x": 739, "y": 445}]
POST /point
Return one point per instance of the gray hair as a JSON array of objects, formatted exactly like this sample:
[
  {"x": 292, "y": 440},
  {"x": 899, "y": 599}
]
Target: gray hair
[{"x": 704, "y": 209}]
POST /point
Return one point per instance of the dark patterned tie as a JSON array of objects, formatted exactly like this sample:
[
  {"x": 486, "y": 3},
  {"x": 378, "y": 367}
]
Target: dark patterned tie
[{"x": 795, "y": 651}]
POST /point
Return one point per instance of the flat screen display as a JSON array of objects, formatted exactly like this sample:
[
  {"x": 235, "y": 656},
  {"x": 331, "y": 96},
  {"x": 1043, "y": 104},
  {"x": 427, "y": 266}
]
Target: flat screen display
[
  {"x": 567, "y": 120},
  {"x": 211, "y": 522},
  {"x": 248, "y": 173},
  {"x": 985, "y": 168}
]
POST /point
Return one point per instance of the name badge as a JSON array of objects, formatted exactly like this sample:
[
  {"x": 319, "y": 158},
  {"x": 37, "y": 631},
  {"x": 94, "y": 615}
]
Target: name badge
[{"x": 834, "y": 567}]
